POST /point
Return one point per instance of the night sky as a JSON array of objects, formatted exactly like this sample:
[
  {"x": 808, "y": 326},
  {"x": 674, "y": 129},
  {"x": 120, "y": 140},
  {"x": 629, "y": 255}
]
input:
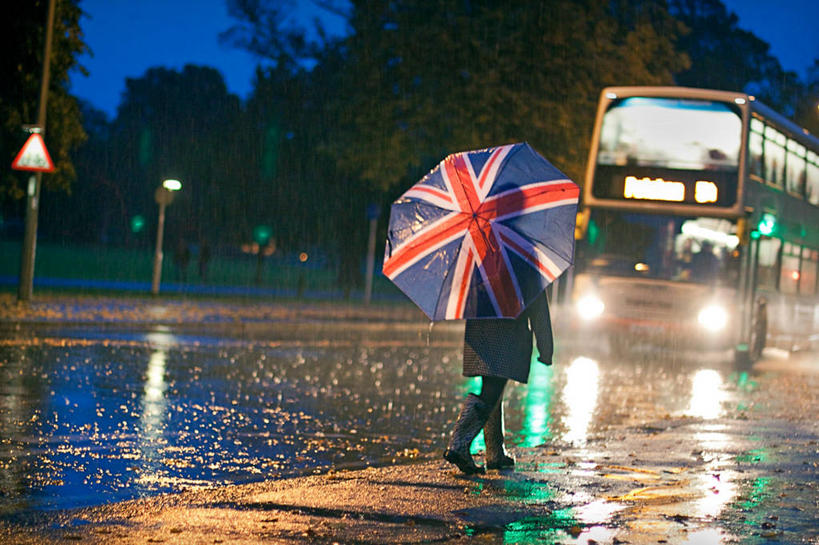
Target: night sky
[{"x": 129, "y": 37}]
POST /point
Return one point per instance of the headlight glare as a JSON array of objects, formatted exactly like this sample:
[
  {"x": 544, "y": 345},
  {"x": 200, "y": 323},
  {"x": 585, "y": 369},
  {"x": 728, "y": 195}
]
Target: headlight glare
[
  {"x": 713, "y": 318},
  {"x": 590, "y": 307}
]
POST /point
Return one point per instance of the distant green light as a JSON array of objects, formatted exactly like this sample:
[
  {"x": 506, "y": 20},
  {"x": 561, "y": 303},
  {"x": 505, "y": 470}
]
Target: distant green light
[
  {"x": 755, "y": 234},
  {"x": 262, "y": 234},
  {"x": 594, "y": 232},
  {"x": 767, "y": 224},
  {"x": 137, "y": 224}
]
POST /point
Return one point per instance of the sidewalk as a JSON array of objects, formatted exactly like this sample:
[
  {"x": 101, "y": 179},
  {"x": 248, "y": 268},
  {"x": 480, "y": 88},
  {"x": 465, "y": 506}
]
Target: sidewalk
[{"x": 149, "y": 311}]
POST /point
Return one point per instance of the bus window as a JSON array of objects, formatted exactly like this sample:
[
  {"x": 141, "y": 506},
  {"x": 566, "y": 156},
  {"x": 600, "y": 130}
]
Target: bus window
[
  {"x": 812, "y": 179},
  {"x": 807, "y": 279},
  {"x": 768, "y": 265},
  {"x": 705, "y": 265},
  {"x": 675, "y": 248},
  {"x": 789, "y": 273},
  {"x": 795, "y": 168},
  {"x": 774, "y": 156},
  {"x": 755, "y": 161},
  {"x": 670, "y": 133}
]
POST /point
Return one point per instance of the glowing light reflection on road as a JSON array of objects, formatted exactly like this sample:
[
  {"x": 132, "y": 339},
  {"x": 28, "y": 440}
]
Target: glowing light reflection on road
[
  {"x": 537, "y": 406},
  {"x": 154, "y": 405},
  {"x": 716, "y": 483},
  {"x": 707, "y": 395},
  {"x": 580, "y": 397}
]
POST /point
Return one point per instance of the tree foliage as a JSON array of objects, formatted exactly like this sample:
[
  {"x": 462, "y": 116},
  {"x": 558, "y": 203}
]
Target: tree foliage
[
  {"x": 725, "y": 56},
  {"x": 91, "y": 211},
  {"x": 22, "y": 39},
  {"x": 806, "y": 110},
  {"x": 335, "y": 124},
  {"x": 427, "y": 78},
  {"x": 183, "y": 125}
]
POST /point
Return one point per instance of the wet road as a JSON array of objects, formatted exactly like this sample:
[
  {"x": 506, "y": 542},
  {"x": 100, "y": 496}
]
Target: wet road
[
  {"x": 119, "y": 415},
  {"x": 88, "y": 419}
]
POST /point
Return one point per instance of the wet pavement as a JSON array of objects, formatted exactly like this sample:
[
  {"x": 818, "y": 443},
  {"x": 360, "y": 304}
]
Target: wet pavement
[{"x": 236, "y": 423}]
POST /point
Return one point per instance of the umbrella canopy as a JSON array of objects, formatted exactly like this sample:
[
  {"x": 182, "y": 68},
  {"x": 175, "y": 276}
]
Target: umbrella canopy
[{"x": 483, "y": 234}]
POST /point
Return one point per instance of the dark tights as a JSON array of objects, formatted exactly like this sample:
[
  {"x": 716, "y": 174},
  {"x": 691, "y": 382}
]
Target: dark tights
[{"x": 492, "y": 390}]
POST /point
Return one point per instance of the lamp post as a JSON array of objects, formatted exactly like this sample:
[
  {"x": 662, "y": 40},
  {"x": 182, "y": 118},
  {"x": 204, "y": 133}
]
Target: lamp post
[{"x": 164, "y": 196}]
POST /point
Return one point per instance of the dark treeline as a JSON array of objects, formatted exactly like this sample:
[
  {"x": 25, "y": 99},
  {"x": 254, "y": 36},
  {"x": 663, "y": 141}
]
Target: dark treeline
[{"x": 336, "y": 124}]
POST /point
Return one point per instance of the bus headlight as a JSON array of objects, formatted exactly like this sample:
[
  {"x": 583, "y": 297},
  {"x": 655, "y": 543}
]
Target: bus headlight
[
  {"x": 713, "y": 318},
  {"x": 590, "y": 307}
]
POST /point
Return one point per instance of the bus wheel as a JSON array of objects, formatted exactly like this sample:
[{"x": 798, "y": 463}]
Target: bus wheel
[{"x": 759, "y": 329}]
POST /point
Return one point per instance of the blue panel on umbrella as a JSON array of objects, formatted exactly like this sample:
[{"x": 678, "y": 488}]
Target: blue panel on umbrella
[
  {"x": 554, "y": 224},
  {"x": 525, "y": 166},
  {"x": 409, "y": 217},
  {"x": 530, "y": 285},
  {"x": 428, "y": 272}
]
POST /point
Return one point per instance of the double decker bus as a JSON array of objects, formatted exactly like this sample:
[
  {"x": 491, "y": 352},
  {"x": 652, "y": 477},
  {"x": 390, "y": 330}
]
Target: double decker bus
[{"x": 700, "y": 225}]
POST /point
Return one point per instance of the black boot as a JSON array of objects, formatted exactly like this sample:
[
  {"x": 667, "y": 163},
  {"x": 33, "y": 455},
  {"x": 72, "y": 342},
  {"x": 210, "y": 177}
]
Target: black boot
[
  {"x": 496, "y": 455},
  {"x": 474, "y": 413}
]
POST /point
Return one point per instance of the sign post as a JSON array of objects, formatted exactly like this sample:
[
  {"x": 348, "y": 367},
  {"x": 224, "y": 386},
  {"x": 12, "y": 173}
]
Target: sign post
[
  {"x": 33, "y": 157},
  {"x": 30, "y": 158},
  {"x": 373, "y": 212}
]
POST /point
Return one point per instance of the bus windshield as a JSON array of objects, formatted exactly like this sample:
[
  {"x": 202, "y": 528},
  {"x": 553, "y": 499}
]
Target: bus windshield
[
  {"x": 670, "y": 133},
  {"x": 665, "y": 247}
]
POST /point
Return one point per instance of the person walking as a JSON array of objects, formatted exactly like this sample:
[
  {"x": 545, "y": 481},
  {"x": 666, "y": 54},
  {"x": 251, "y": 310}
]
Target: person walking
[
  {"x": 181, "y": 257},
  {"x": 497, "y": 350}
]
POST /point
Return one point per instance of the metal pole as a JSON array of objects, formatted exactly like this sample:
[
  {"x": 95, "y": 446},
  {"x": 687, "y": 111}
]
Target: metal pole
[
  {"x": 25, "y": 288},
  {"x": 368, "y": 284},
  {"x": 160, "y": 230}
]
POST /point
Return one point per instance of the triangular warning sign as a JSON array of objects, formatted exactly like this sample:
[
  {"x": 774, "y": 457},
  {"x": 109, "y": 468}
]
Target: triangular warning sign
[{"x": 33, "y": 156}]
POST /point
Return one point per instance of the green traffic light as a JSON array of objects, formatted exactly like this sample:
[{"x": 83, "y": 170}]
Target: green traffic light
[
  {"x": 137, "y": 223},
  {"x": 767, "y": 224},
  {"x": 262, "y": 234}
]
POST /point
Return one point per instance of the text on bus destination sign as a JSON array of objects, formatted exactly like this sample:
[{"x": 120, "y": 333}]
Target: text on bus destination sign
[{"x": 659, "y": 189}]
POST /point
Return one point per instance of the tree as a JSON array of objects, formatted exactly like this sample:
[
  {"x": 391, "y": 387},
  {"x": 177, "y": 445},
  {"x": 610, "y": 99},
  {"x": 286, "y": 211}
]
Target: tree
[
  {"x": 725, "y": 56},
  {"x": 806, "y": 111},
  {"x": 417, "y": 79},
  {"x": 22, "y": 35},
  {"x": 91, "y": 210},
  {"x": 266, "y": 29},
  {"x": 179, "y": 124},
  {"x": 293, "y": 116},
  {"x": 426, "y": 78}
]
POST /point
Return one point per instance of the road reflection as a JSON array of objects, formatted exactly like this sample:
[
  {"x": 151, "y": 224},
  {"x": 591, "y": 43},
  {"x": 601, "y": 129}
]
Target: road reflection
[
  {"x": 707, "y": 394},
  {"x": 580, "y": 397},
  {"x": 537, "y": 407},
  {"x": 154, "y": 408}
]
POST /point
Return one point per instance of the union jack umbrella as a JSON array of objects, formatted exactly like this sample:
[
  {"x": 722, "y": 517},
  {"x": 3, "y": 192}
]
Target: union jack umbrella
[{"x": 483, "y": 234}]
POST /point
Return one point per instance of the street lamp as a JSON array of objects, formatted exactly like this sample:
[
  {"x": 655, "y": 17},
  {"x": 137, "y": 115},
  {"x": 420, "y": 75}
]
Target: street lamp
[{"x": 163, "y": 196}]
